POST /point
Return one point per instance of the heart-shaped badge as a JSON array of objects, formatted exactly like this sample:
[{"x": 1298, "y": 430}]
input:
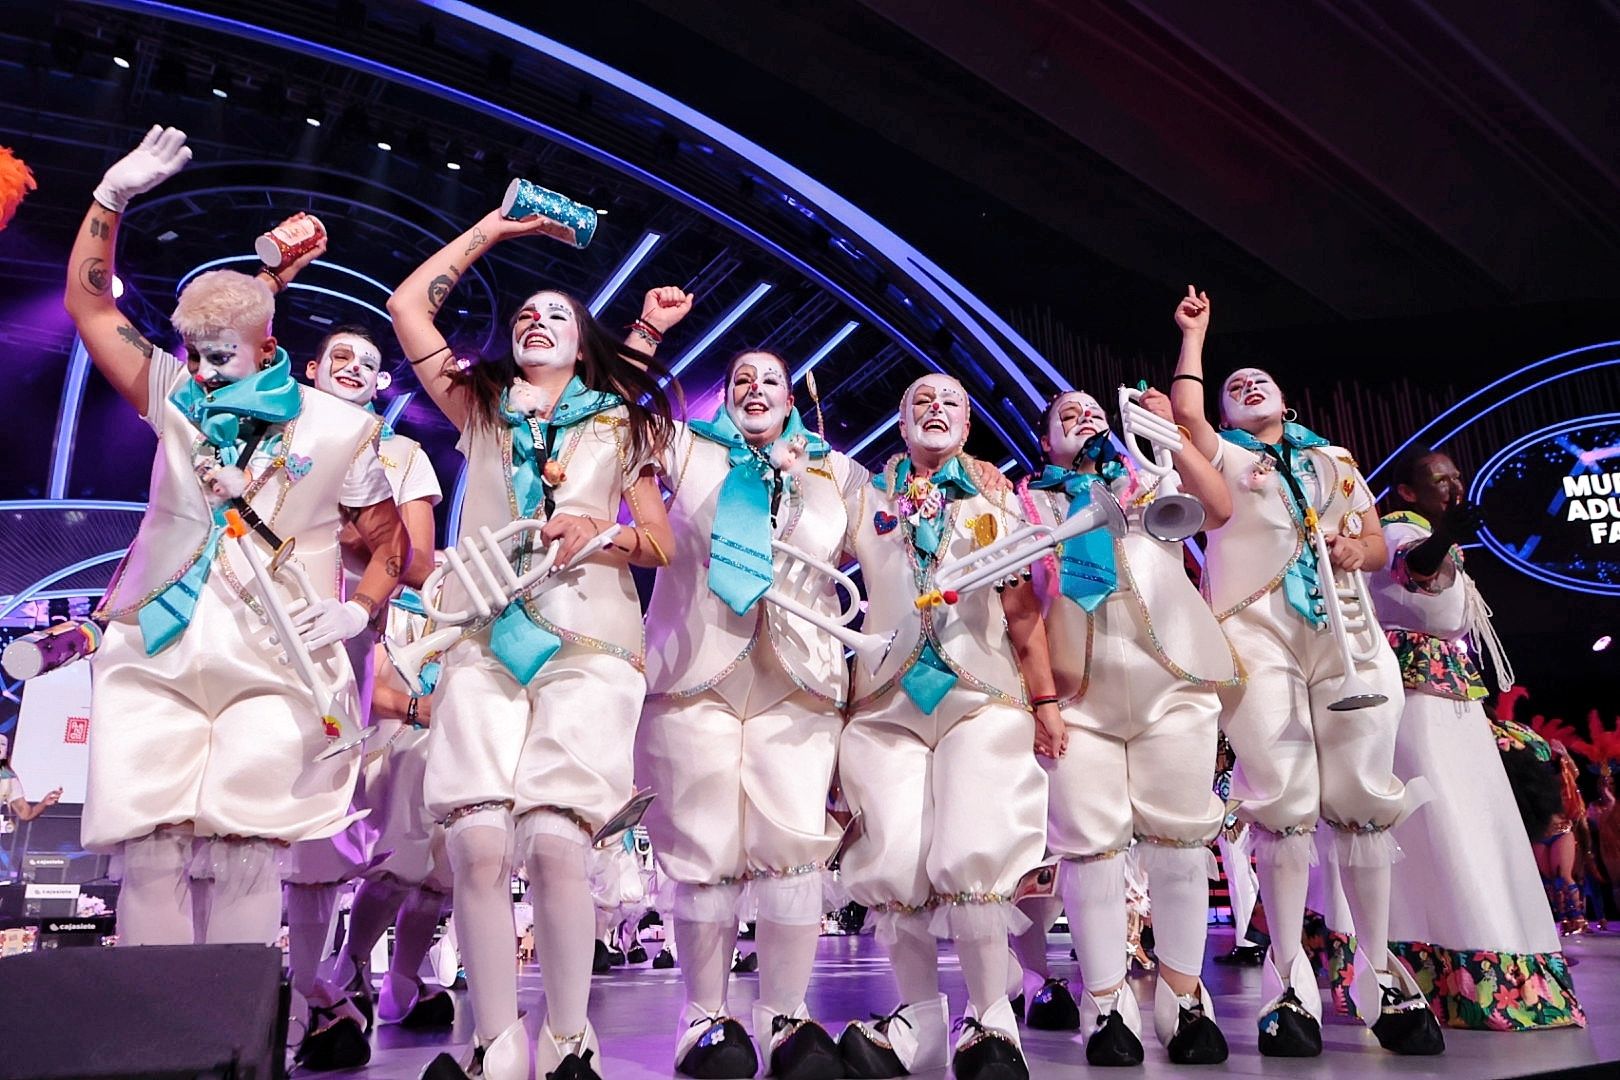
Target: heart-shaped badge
[
  {"x": 298, "y": 467},
  {"x": 884, "y": 523}
]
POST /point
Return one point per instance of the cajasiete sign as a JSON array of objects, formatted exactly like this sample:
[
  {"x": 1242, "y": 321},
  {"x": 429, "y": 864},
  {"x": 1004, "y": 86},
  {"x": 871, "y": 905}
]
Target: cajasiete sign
[{"x": 1550, "y": 502}]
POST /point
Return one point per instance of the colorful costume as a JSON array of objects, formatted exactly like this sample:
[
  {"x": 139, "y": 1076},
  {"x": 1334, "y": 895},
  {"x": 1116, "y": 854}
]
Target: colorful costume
[{"x": 1468, "y": 912}]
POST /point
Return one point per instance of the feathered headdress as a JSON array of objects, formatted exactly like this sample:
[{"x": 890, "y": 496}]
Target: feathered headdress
[{"x": 16, "y": 180}]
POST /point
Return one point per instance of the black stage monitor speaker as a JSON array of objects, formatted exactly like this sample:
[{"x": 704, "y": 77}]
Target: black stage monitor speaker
[{"x": 169, "y": 1012}]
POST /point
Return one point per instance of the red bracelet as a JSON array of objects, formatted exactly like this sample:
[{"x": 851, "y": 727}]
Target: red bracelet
[{"x": 644, "y": 327}]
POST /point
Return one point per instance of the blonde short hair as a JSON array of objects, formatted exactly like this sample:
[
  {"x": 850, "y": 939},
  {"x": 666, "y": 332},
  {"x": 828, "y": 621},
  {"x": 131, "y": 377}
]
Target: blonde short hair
[{"x": 224, "y": 300}]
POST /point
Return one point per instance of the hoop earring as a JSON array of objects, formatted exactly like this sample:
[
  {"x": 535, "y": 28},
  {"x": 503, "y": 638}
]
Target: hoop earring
[{"x": 1289, "y": 416}]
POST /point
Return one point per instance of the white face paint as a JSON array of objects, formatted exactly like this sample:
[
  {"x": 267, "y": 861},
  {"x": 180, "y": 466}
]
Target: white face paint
[
  {"x": 1076, "y": 417},
  {"x": 759, "y": 397},
  {"x": 1251, "y": 400},
  {"x": 348, "y": 369},
  {"x": 934, "y": 415},
  {"x": 221, "y": 357},
  {"x": 545, "y": 334}
]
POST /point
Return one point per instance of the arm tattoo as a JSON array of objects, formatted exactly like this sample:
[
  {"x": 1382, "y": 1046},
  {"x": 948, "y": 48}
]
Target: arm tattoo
[
  {"x": 438, "y": 289},
  {"x": 395, "y": 566},
  {"x": 136, "y": 340},
  {"x": 475, "y": 241},
  {"x": 99, "y": 229},
  {"x": 365, "y": 601},
  {"x": 93, "y": 276}
]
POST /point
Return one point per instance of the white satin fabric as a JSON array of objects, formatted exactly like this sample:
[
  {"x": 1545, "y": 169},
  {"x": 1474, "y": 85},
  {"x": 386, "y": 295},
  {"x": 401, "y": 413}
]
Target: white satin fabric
[
  {"x": 954, "y": 803},
  {"x": 563, "y": 741},
  {"x": 212, "y": 731},
  {"x": 693, "y": 637},
  {"x": 742, "y": 778},
  {"x": 1296, "y": 759}
]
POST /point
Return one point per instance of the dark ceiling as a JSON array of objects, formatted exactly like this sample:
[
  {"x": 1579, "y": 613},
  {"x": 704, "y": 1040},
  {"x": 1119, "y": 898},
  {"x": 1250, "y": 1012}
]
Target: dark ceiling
[{"x": 1393, "y": 184}]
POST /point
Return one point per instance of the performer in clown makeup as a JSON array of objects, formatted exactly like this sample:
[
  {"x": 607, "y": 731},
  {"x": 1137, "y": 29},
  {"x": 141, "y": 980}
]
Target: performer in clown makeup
[
  {"x": 1297, "y": 761},
  {"x": 349, "y": 366},
  {"x": 530, "y": 751},
  {"x": 744, "y": 709},
  {"x": 1137, "y": 655},
  {"x": 200, "y": 733},
  {"x": 936, "y": 756}
]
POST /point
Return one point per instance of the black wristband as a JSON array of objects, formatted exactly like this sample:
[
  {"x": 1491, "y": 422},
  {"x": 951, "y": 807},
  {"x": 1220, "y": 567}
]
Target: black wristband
[
  {"x": 1199, "y": 379},
  {"x": 1048, "y": 699},
  {"x": 431, "y": 355}
]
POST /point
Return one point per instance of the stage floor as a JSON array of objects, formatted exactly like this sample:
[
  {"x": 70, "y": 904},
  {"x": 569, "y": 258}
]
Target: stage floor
[{"x": 635, "y": 1010}]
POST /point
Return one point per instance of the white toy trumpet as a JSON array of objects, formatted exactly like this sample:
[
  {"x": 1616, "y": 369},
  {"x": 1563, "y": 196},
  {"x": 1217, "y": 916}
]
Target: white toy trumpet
[
  {"x": 1172, "y": 515},
  {"x": 1347, "y": 606},
  {"x": 342, "y": 733},
  {"x": 486, "y": 575},
  {"x": 871, "y": 649},
  {"x": 1003, "y": 562}
]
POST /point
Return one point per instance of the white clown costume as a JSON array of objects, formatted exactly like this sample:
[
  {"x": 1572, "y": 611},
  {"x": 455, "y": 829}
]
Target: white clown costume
[
  {"x": 1137, "y": 656},
  {"x": 740, "y": 733},
  {"x": 199, "y": 730},
  {"x": 938, "y": 760},
  {"x": 1469, "y": 914},
  {"x": 530, "y": 749},
  {"x": 1297, "y": 761}
]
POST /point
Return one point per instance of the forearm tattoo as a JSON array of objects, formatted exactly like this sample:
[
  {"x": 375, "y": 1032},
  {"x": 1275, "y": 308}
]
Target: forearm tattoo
[
  {"x": 99, "y": 230},
  {"x": 136, "y": 339},
  {"x": 475, "y": 241},
  {"x": 395, "y": 566},
  {"x": 93, "y": 276},
  {"x": 365, "y": 601}
]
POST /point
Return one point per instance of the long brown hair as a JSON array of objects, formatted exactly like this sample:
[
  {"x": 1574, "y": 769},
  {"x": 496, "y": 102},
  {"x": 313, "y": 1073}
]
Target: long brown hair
[{"x": 605, "y": 364}]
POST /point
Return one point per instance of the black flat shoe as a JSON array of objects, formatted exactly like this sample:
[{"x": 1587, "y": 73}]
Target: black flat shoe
[
  {"x": 664, "y": 960},
  {"x": 602, "y": 962},
  {"x": 1114, "y": 1044},
  {"x": 574, "y": 1067},
  {"x": 1406, "y": 1025},
  {"x": 745, "y": 963},
  {"x": 1289, "y": 1030},
  {"x": 340, "y": 1044},
  {"x": 436, "y": 1010},
  {"x": 802, "y": 1050},
  {"x": 637, "y": 955},
  {"x": 1053, "y": 1008},
  {"x": 866, "y": 1052},
  {"x": 1197, "y": 1041},
  {"x": 989, "y": 1055},
  {"x": 1243, "y": 956},
  {"x": 723, "y": 1052}
]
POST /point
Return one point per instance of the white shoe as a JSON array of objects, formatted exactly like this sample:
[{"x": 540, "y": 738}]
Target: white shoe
[
  {"x": 914, "y": 1038},
  {"x": 998, "y": 1020},
  {"x": 506, "y": 1057},
  {"x": 1301, "y": 979}
]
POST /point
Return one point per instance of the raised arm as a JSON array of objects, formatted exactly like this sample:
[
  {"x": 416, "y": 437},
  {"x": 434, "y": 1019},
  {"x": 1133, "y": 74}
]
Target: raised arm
[
  {"x": 120, "y": 352},
  {"x": 27, "y": 812},
  {"x": 1187, "y": 387},
  {"x": 1199, "y": 478}
]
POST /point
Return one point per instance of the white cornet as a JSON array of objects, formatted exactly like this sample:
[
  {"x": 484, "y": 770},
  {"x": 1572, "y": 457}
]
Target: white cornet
[
  {"x": 871, "y": 649},
  {"x": 1172, "y": 515},
  {"x": 1347, "y": 606},
  {"x": 342, "y": 733},
  {"x": 1001, "y": 563},
  {"x": 485, "y": 573}
]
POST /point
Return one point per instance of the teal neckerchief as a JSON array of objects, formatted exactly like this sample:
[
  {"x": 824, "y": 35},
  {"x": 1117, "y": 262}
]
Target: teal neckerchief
[
  {"x": 1087, "y": 573},
  {"x": 740, "y": 564},
  {"x": 1101, "y": 451},
  {"x": 522, "y": 645},
  {"x": 387, "y": 428},
  {"x": 953, "y": 482},
  {"x": 270, "y": 395},
  {"x": 929, "y": 678},
  {"x": 1301, "y": 582}
]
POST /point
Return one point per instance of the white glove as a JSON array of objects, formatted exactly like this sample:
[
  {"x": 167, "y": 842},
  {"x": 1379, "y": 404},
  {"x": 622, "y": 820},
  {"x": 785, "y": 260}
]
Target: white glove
[
  {"x": 330, "y": 621},
  {"x": 161, "y": 154}
]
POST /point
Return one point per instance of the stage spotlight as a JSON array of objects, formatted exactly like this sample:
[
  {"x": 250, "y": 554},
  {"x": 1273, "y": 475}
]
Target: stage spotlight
[
  {"x": 312, "y": 121},
  {"x": 385, "y": 146},
  {"x": 452, "y": 158},
  {"x": 453, "y": 166},
  {"x": 1602, "y": 643},
  {"x": 124, "y": 51},
  {"x": 118, "y": 287}
]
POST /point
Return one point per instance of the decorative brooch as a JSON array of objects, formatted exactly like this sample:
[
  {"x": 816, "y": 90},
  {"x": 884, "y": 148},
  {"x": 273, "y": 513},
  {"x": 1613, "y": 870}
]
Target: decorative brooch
[
  {"x": 884, "y": 523},
  {"x": 920, "y": 500},
  {"x": 553, "y": 473},
  {"x": 297, "y": 466}
]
